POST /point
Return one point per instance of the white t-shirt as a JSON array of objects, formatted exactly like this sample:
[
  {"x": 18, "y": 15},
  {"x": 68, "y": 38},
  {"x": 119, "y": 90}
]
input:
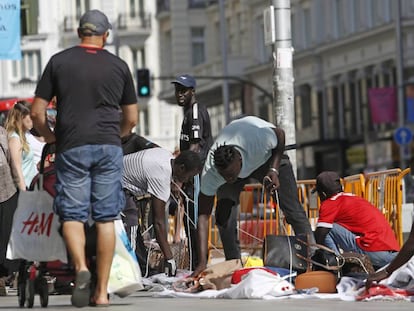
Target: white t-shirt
[
  {"x": 253, "y": 137},
  {"x": 148, "y": 171},
  {"x": 36, "y": 146}
]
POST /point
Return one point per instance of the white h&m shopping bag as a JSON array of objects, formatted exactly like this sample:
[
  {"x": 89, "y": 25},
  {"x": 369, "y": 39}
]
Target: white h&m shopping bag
[{"x": 35, "y": 233}]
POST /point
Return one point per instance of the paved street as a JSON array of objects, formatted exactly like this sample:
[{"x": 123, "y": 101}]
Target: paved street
[{"x": 145, "y": 301}]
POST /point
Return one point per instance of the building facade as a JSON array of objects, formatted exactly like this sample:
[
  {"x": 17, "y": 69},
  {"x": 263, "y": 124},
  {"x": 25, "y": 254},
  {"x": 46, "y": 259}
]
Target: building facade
[
  {"x": 342, "y": 49},
  {"x": 50, "y": 26}
]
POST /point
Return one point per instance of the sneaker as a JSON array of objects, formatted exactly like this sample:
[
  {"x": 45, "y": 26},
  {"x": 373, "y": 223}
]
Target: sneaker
[{"x": 3, "y": 291}]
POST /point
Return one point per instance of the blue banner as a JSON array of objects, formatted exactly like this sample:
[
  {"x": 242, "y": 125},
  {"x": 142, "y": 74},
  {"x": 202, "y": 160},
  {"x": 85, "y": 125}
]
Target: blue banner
[
  {"x": 410, "y": 110},
  {"x": 10, "y": 29}
]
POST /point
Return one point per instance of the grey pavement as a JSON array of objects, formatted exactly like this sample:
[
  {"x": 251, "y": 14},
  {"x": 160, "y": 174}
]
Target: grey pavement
[{"x": 146, "y": 301}]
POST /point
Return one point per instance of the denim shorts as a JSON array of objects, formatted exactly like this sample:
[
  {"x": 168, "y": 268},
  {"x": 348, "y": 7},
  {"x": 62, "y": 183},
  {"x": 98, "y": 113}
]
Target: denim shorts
[{"x": 89, "y": 183}]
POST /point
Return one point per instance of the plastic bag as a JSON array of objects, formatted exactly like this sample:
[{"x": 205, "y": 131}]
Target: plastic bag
[
  {"x": 35, "y": 233},
  {"x": 125, "y": 275}
]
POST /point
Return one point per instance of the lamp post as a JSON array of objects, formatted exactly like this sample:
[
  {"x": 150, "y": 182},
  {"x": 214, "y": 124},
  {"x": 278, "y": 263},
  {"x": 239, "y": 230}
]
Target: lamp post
[
  {"x": 283, "y": 91},
  {"x": 400, "y": 78},
  {"x": 223, "y": 44}
]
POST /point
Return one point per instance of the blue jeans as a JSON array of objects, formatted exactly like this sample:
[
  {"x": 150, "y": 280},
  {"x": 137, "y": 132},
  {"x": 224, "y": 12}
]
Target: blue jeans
[
  {"x": 228, "y": 198},
  {"x": 89, "y": 182},
  {"x": 339, "y": 237}
]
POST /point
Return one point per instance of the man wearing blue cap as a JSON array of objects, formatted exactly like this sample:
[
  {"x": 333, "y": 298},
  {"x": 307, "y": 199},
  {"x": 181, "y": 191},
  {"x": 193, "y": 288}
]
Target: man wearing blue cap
[
  {"x": 195, "y": 136},
  {"x": 91, "y": 86}
]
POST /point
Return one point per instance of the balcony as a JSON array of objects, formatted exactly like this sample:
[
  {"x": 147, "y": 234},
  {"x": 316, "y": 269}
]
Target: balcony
[{"x": 133, "y": 30}]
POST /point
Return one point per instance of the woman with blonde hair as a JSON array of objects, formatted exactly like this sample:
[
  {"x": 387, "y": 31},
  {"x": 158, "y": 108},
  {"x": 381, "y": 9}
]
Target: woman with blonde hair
[{"x": 19, "y": 122}]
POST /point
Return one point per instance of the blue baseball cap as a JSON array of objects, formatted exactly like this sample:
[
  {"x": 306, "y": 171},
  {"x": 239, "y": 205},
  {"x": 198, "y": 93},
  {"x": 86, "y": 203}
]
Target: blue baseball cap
[
  {"x": 185, "y": 80},
  {"x": 94, "y": 22}
]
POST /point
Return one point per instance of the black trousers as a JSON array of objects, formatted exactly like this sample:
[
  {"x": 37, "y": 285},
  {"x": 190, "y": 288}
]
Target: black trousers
[
  {"x": 133, "y": 230},
  {"x": 228, "y": 200},
  {"x": 189, "y": 227},
  {"x": 7, "y": 210}
]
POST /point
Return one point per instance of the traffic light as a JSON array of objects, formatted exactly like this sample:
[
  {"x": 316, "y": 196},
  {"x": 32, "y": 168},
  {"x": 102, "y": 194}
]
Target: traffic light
[{"x": 143, "y": 77}]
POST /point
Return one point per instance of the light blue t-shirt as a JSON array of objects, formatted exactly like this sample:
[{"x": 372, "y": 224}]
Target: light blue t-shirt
[
  {"x": 253, "y": 137},
  {"x": 28, "y": 164}
]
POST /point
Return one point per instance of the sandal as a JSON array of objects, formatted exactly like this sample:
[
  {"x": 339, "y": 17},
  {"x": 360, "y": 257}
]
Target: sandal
[{"x": 81, "y": 292}]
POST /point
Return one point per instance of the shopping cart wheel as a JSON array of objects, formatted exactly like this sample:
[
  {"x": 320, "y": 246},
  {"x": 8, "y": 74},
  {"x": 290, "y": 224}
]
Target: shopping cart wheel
[
  {"x": 43, "y": 292},
  {"x": 21, "y": 291},
  {"x": 30, "y": 293}
]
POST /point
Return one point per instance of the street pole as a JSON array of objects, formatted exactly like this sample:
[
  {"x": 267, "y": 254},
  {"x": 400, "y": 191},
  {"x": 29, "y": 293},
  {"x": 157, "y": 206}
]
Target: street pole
[
  {"x": 283, "y": 93},
  {"x": 223, "y": 41},
  {"x": 400, "y": 79}
]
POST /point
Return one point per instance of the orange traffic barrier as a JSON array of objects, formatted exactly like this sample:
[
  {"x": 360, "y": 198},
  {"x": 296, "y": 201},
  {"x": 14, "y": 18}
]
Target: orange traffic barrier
[
  {"x": 384, "y": 189},
  {"x": 354, "y": 184},
  {"x": 259, "y": 215}
]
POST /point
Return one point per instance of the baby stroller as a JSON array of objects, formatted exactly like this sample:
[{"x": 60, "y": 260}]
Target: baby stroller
[
  {"x": 44, "y": 278},
  {"x": 33, "y": 277}
]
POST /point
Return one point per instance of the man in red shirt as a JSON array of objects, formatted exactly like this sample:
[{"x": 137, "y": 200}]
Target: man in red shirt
[{"x": 351, "y": 223}]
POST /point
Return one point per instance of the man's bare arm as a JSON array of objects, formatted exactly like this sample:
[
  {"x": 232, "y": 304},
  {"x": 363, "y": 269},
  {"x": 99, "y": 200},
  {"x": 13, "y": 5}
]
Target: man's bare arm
[
  {"x": 39, "y": 118},
  {"x": 129, "y": 118}
]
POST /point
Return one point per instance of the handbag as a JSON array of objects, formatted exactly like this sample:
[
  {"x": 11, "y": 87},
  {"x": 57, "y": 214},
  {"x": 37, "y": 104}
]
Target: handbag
[
  {"x": 35, "y": 232},
  {"x": 125, "y": 275},
  {"x": 180, "y": 255},
  {"x": 326, "y": 259},
  {"x": 282, "y": 251}
]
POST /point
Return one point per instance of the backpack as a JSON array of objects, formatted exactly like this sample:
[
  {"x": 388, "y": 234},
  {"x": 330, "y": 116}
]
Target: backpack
[{"x": 134, "y": 143}]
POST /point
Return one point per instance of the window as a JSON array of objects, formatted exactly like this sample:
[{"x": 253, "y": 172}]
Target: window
[
  {"x": 197, "y": 4},
  {"x": 306, "y": 106},
  {"x": 163, "y": 5},
  {"x": 354, "y": 125},
  {"x": 81, "y": 7},
  {"x": 262, "y": 52},
  {"x": 166, "y": 47},
  {"x": 28, "y": 68},
  {"x": 294, "y": 31},
  {"x": 341, "y": 18},
  {"x": 136, "y": 8},
  {"x": 29, "y": 12},
  {"x": 306, "y": 27},
  {"x": 197, "y": 45}
]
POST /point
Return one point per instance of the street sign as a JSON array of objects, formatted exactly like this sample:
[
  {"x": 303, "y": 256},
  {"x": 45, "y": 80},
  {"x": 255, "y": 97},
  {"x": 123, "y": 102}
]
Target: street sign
[
  {"x": 403, "y": 135},
  {"x": 269, "y": 25}
]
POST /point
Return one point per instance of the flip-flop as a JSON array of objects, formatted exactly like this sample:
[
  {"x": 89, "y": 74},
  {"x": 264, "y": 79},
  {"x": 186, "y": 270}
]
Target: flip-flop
[
  {"x": 98, "y": 305},
  {"x": 101, "y": 305},
  {"x": 81, "y": 292}
]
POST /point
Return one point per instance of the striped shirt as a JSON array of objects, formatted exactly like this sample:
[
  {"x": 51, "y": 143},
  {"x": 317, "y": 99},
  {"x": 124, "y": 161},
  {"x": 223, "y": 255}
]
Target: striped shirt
[{"x": 148, "y": 171}]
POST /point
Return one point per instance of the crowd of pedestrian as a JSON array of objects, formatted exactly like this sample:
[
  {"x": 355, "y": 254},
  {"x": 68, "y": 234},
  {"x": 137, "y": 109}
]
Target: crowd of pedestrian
[{"x": 96, "y": 179}]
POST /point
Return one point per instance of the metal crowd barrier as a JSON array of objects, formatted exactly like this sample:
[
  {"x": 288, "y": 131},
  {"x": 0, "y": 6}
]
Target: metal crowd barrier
[
  {"x": 354, "y": 184},
  {"x": 384, "y": 189},
  {"x": 260, "y": 216},
  {"x": 257, "y": 217},
  {"x": 310, "y": 201}
]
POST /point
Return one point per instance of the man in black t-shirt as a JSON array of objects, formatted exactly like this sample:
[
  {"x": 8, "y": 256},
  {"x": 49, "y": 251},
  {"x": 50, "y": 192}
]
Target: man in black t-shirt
[
  {"x": 91, "y": 87},
  {"x": 196, "y": 136}
]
